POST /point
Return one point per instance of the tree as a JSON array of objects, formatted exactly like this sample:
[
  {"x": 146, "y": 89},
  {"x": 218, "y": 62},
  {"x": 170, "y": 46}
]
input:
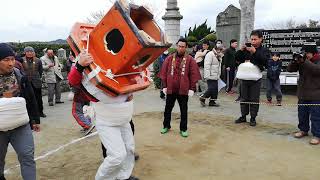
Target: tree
[
  {"x": 199, "y": 32},
  {"x": 247, "y": 19}
]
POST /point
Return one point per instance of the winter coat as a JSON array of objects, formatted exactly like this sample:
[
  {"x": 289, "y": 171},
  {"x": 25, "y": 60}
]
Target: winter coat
[
  {"x": 186, "y": 80},
  {"x": 309, "y": 78},
  {"x": 212, "y": 66},
  {"x": 274, "y": 69},
  {"x": 230, "y": 58},
  {"x": 50, "y": 73},
  {"x": 33, "y": 70}
]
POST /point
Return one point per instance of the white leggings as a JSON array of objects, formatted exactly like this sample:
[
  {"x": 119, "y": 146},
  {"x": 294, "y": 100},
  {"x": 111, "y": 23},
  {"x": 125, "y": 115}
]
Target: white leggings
[{"x": 119, "y": 142}]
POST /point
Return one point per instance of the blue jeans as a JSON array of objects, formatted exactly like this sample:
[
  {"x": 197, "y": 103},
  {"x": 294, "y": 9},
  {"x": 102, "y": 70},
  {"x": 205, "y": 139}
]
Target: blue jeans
[
  {"x": 312, "y": 113},
  {"x": 21, "y": 140},
  {"x": 274, "y": 85}
]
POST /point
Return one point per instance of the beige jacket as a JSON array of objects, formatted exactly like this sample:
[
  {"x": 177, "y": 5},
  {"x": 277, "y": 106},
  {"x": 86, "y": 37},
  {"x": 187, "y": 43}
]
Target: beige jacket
[
  {"x": 212, "y": 65},
  {"x": 50, "y": 73}
]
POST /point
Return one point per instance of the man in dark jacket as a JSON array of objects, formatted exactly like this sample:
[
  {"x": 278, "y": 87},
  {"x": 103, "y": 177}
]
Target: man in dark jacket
[
  {"x": 179, "y": 74},
  {"x": 14, "y": 84},
  {"x": 308, "y": 91},
  {"x": 33, "y": 69},
  {"x": 230, "y": 64},
  {"x": 250, "y": 89}
]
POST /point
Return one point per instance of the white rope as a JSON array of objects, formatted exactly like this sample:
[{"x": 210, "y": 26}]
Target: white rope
[
  {"x": 54, "y": 150},
  {"x": 261, "y": 103}
]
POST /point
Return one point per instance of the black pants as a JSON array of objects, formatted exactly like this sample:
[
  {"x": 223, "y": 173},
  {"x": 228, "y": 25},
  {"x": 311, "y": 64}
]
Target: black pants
[
  {"x": 38, "y": 95},
  {"x": 250, "y": 92},
  {"x": 104, "y": 150},
  {"x": 183, "y": 104},
  {"x": 231, "y": 75},
  {"x": 212, "y": 91}
]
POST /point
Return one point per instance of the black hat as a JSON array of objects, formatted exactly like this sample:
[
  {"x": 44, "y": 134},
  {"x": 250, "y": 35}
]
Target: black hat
[
  {"x": 5, "y": 51},
  {"x": 310, "y": 46}
]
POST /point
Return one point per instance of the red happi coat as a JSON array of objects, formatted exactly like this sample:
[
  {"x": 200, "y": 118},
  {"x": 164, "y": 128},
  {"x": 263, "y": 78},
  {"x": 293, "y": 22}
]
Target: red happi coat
[{"x": 179, "y": 75}]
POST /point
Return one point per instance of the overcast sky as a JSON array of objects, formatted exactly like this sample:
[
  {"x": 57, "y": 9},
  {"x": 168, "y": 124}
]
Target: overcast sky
[{"x": 43, "y": 20}]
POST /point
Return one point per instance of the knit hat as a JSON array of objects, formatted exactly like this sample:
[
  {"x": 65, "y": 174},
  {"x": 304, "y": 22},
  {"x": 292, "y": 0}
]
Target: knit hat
[
  {"x": 310, "y": 46},
  {"x": 28, "y": 49},
  {"x": 5, "y": 51}
]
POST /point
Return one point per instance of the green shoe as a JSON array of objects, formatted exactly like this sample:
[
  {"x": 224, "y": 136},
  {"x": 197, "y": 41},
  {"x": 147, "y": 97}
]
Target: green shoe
[
  {"x": 184, "y": 133},
  {"x": 164, "y": 130}
]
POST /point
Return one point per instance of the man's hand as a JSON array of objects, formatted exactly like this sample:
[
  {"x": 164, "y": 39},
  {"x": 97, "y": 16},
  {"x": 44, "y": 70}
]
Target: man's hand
[
  {"x": 190, "y": 93},
  {"x": 130, "y": 97},
  {"x": 164, "y": 90},
  {"x": 251, "y": 49},
  {"x": 243, "y": 48},
  {"x": 36, "y": 127},
  {"x": 51, "y": 65},
  {"x": 85, "y": 59}
]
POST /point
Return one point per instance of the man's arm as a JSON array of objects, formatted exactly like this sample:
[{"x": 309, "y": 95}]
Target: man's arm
[
  {"x": 40, "y": 68},
  {"x": 164, "y": 72},
  {"x": 293, "y": 67},
  {"x": 32, "y": 108},
  {"x": 261, "y": 57},
  {"x": 227, "y": 58},
  {"x": 194, "y": 74},
  {"x": 75, "y": 75},
  {"x": 45, "y": 66},
  {"x": 310, "y": 67}
]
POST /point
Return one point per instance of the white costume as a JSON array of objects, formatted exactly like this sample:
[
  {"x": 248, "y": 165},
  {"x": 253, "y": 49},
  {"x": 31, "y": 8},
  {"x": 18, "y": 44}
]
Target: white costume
[{"x": 113, "y": 116}]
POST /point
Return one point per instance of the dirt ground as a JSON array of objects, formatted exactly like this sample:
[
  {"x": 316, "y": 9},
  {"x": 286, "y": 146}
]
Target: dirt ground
[{"x": 216, "y": 149}]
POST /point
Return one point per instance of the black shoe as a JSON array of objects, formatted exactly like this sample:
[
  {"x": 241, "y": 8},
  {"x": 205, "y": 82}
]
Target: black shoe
[
  {"x": 2, "y": 177},
  {"x": 241, "y": 120},
  {"x": 133, "y": 178},
  {"x": 43, "y": 115},
  {"x": 279, "y": 103},
  {"x": 89, "y": 130},
  {"x": 59, "y": 102},
  {"x": 136, "y": 157},
  {"x": 50, "y": 103},
  {"x": 214, "y": 104},
  {"x": 202, "y": 101},
  {"x": 253, "y": 122}
]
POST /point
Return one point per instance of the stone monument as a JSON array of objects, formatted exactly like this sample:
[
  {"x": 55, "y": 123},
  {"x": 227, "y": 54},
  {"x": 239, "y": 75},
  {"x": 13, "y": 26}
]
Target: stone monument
[
  {"x": 228, "y": 24},
  {"x": 172, "y": 20},
  {"x": 62, "y": 54}
]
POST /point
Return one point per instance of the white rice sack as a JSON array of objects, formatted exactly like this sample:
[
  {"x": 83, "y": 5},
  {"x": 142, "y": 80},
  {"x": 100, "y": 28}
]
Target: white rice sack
[
  {"x": 113, "y": 114},
  {"x": 13, "y": 113},
  {"x": 248, "y": 71}
]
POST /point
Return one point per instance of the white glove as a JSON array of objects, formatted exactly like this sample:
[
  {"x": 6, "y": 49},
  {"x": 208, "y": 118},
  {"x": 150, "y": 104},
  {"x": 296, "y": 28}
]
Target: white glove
[
  {"x": 164, "y": 90},
  {"x": 190, "y": 93}
]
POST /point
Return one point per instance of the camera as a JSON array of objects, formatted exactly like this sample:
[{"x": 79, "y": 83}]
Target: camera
[
  {"x": 298, "y": 56},
  {"x": 248, "y": 44}
]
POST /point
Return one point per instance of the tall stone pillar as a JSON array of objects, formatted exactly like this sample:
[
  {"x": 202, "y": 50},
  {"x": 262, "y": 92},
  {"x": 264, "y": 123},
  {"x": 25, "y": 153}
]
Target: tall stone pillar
[{"x": 172, "y": 19}]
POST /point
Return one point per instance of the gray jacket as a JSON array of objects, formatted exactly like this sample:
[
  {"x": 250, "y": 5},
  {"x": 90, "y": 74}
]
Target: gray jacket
[{"x": 50, "y": 73}]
